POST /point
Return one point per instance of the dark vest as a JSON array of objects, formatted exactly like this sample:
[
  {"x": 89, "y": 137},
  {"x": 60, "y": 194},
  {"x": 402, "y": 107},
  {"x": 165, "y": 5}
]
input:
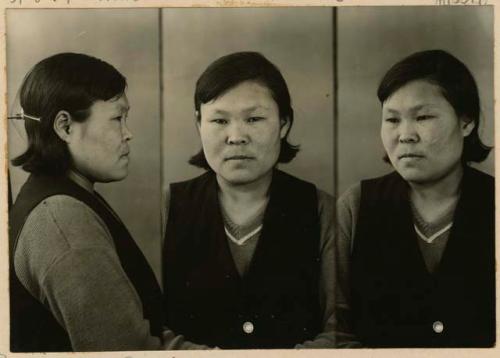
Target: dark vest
[
  {"x": 276, "y": 301},
  {"x": 33, "y": 327},
  {"x": 396, "y": 302}
]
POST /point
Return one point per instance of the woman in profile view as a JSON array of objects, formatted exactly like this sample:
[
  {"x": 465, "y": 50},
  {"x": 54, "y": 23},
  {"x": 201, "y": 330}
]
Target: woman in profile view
[
  {"x": 421, "y": 239},
  {"x": 78, "y": 281}
]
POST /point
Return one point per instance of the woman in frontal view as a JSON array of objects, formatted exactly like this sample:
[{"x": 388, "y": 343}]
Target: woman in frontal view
[
  {"x": 248, "y": 253},
  {"x": 421, "y": 239}
]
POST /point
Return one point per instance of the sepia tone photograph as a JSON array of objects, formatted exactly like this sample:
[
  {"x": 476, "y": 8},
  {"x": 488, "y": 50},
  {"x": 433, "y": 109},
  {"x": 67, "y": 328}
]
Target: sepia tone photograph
[{"x": 259, "y": 179}]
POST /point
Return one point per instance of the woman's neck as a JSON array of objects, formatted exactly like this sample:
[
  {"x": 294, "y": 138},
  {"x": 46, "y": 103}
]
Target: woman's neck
[
  {"x": 244, "y": 202},
  {"x": 81, "y": 180},
  {"x": 434, "y": 199}
]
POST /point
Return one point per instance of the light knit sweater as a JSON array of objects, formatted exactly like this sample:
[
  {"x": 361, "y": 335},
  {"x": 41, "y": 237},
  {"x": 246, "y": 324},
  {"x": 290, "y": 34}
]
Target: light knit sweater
[{"x": 67, "y": 260}]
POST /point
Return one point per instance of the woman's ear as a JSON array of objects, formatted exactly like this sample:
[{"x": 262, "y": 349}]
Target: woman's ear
[
  {"x": 197, "y": 120},
  {"x": 466, "y": 126},
  {"x": 63, "y": 125},
  {"x": 284, "y": 126}
]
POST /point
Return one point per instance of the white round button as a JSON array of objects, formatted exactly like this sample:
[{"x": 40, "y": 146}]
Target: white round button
[
  {"x": 248, "y": 327},
  {"x": 438, "y": 326}
]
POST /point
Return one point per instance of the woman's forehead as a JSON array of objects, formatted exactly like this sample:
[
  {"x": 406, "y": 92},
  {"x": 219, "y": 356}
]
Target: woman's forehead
[
  {"x": 414, "y": 96},
  {"x": 247, "y": 96},
  {"x": 114, "y": 105}
]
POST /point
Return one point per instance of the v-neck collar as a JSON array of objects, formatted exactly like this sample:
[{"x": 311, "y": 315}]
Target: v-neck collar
[{"x": 456, "y": 241}]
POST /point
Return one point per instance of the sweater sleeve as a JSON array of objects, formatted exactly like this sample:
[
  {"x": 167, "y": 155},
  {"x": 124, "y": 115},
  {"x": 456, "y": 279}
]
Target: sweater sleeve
[
  {"x": 336, "y": 331},
  {"x": 164, "y": 213},
  {"x": 66, "y": 259},
  {"x": 347, "y": 216}
]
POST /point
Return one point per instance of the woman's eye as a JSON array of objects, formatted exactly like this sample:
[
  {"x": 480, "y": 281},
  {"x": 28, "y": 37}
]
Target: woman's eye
[
  {"x": 219, "y": 121},
  {"x": 424, "y": 117},
  {"x": 391, "y": 120},
  {"x": 255, "y": 119}
]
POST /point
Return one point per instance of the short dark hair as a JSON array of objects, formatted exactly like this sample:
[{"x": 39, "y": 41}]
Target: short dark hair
[
  {"x": 67, "y": 81},
  {"x": 233, "y": 69},
  {"x": 457, "y": 85}
]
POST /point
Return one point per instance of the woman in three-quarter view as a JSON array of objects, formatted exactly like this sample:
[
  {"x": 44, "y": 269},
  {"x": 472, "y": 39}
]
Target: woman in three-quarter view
[{"x": 420, "y": 240}]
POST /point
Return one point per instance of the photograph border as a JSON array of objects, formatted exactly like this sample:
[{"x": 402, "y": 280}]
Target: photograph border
[{"x": 119, "y": 4}]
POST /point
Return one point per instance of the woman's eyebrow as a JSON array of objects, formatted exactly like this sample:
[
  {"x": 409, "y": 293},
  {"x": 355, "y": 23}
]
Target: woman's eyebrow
[
  {"x": 219, "y": 111},
  {"x": 415, "y": 108},
  {"x": 121, "y": 108},
  {"x": 253, "y": 108},
  {"x": 421, "y": 106},
  {"x": 390, "y": 110},
  {"x": 244, "y": 110}
]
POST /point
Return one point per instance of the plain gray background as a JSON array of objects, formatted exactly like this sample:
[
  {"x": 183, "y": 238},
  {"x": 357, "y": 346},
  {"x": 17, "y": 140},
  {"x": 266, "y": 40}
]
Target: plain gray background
[{"x": 370, "y": 41}]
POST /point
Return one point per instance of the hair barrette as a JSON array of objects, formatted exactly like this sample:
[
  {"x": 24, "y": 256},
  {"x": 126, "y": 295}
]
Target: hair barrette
[{"x": 23, "y": 115}]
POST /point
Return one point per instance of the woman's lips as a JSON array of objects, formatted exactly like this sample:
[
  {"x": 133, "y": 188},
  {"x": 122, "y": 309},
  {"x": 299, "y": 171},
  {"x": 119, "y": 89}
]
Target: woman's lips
[
  {"x": 410, "y": 156},
  {"x": 239, "y": 157}
]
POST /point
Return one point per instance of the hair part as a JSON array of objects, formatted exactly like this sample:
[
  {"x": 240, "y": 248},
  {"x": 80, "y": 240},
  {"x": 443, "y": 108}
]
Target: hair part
[
  {"x": 229, "y": 71},
  {"x": 457, "y": 86},
  {"x": 64, "y": 82}
]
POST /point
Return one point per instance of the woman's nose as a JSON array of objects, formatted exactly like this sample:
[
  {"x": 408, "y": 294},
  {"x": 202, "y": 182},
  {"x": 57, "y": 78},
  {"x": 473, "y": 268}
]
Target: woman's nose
[
  {"x": 126, "y": 133},
  {"x": 407, "y": 132},
  {"x": 236, "y": 134}
]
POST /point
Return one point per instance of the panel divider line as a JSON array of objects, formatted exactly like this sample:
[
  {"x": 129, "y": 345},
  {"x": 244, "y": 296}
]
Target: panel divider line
[
  {"x": 162, "y": 125},
  {"x": 335, "y": 101}
]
